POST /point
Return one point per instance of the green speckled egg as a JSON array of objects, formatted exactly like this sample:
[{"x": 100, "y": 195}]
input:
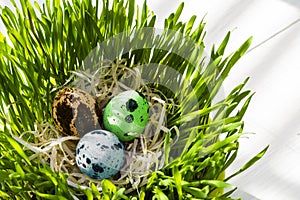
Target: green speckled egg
[{"x": 126, "y": 115}]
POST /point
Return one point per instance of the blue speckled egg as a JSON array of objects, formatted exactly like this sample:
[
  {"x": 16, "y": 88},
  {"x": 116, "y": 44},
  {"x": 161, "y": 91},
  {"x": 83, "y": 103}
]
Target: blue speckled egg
[{"x": 100, "y": 154}]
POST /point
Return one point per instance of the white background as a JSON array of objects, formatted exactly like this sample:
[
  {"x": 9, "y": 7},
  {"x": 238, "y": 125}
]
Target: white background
[{"x": 273, "y": 68}]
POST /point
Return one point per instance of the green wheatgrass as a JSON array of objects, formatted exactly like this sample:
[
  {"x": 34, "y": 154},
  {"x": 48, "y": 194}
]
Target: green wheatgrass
[{"x": 43, "y": 52}]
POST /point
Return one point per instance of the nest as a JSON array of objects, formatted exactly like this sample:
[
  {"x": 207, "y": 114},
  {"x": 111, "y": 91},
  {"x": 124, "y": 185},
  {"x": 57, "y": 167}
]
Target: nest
[{"x": 144, "y": 155}]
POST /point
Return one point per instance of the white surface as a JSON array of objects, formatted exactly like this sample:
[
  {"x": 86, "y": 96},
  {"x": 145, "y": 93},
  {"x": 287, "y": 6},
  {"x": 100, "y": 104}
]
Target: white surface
[{"x": 273, "y": 68}]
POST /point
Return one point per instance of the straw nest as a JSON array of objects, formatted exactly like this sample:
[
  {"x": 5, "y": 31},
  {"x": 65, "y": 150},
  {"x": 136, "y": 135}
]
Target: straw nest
[{"x": 144, "y": 154}]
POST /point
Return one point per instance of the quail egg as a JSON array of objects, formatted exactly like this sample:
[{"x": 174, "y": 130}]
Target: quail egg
[
  {"x": 100, "y": 154},
  {"x": 126, "y": 115},
  {"x": 75, "y": 112}
]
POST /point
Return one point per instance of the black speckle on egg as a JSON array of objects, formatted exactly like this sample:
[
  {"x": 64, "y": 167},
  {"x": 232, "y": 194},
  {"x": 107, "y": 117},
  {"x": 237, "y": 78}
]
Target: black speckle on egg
[
  {"x": 141, "y": 118},
  {"x": 88, "y": 161},
  {"x": 129, "y": 118},
  {"x": 97, "y": 168},
  {"x": 104, "y": 147},
  {"x": 72, "y": 98},
  {"x": 83, "y": 155},
  {"x": 83, "y": 165},
  {"x": 99, "y": 144},
  {"x": 118, "y": 146},
  {"x": 98, "y": 132},
  {"x": 131, "y": 105}
]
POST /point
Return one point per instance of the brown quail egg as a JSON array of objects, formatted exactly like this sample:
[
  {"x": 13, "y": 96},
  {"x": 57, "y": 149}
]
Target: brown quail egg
[{"x": 75, "y": 112}]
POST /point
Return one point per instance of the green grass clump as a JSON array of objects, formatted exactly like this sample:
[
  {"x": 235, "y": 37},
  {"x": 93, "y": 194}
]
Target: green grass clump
[{"x": 46, "y": 44}]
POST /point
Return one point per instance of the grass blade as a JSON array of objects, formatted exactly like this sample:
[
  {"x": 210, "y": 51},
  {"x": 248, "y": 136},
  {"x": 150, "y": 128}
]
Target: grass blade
[{"x": 249, "y": 163}]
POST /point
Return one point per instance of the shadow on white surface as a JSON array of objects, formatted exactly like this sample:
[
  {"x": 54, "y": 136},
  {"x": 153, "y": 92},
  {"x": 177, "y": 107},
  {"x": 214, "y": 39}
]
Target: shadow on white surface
[
  {"x": 229, "y": 14},
  {"x": 293, "y": 2}
]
